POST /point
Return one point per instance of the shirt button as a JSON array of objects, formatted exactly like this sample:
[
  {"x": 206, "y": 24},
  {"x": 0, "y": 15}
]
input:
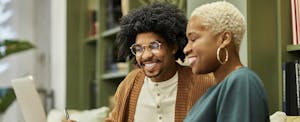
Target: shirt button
[
  {"x": 159, "y": 117},
  {"x": 157, "y": 106},
  {"x": 156, "y": 84},
  {"x": 158, "y": 94}
]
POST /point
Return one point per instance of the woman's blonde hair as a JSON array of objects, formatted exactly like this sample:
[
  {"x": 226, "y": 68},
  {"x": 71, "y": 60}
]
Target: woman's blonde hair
[{"x": 222, "y": 16}]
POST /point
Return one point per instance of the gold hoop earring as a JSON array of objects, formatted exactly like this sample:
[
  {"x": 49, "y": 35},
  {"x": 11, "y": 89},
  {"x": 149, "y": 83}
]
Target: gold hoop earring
[{"x": 218, "y": 56}]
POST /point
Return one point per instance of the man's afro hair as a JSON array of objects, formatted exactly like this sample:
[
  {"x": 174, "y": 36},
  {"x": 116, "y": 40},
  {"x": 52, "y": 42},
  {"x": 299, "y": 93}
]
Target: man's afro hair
[{"x": 163, "y": 19}]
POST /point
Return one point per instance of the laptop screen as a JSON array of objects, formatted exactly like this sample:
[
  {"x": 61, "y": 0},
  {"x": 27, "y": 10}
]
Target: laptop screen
[{"x": 29, "y": 100}]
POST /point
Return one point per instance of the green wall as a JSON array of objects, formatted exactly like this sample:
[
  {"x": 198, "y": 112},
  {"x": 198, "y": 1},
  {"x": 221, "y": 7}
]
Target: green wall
[{"x": 80, "y": 56}]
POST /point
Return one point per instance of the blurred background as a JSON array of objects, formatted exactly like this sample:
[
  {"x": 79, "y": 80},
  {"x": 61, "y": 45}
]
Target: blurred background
[{"x": 74, "y": 59}]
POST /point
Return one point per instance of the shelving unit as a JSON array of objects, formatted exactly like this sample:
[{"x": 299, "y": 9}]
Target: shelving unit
[
  {"x": 110, "y": 32},
  {"x": 92, "y": 73},
  {"x": 81, "y": 55},
  {"x": 292, "y": 48},
  {"x": 270, "y": 35},
  {"x": 107, "y": 74},
  {"x": 92, "y": 76},
  {"x": 114, "y": 75},
  {"x": 92, "y": 40}
]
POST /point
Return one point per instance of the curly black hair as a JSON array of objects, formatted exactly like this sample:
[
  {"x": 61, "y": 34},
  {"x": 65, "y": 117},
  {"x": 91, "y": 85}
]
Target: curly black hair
[{"x": 163, "y": 19}]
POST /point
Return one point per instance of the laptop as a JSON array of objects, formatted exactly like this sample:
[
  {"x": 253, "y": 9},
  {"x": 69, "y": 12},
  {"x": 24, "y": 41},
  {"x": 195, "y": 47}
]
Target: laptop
[{"x": 29, "y": 100}]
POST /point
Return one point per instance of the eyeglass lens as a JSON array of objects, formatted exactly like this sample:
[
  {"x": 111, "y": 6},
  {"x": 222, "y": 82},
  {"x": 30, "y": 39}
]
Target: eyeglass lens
[{"x": 139, "y": 49}]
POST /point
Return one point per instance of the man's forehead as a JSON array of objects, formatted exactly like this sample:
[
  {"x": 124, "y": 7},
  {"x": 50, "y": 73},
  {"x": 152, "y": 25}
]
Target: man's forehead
[{"x": 149, "y": 37}]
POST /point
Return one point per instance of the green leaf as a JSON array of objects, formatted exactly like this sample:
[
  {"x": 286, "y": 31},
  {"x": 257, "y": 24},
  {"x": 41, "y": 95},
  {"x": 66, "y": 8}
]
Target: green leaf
[
  {"x": 7, "y": 99},
  {"x": 8, "y": 47}
]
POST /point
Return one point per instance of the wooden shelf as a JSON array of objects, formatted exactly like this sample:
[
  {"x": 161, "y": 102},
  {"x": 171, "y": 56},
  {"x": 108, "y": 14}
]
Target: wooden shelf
[
  {"x": 92, "y": 39},
  {"x": 111, "y": 32},
  {"x": 114, "y": 75},
  {"x": 291, "y": 48}
]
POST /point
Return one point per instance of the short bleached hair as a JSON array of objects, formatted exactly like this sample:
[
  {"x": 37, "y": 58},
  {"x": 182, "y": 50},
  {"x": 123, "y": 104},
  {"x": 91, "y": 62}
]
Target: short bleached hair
[{"x": 222, "y": 16}]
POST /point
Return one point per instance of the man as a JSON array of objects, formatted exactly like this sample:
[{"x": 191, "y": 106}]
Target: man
[{"x": 160, "y": 89}]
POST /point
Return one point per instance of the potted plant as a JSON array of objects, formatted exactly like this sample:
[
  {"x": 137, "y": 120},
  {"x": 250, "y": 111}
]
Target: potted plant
[{"x": 8, "y": 47}]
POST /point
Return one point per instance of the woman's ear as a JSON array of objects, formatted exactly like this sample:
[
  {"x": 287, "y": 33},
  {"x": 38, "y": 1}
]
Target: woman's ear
[{"x": 226, "y": 39}]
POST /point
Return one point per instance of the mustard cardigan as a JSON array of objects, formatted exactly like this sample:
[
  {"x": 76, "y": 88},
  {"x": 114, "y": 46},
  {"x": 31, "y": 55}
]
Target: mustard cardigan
[{"x": 190, "y": 88}]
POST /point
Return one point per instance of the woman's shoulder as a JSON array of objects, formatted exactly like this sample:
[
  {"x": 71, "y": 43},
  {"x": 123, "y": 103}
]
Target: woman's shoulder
[
  {"x": 243, "y": 73},
  {"x": 243, "y": 77},
  {"x": 244, "y": 80}
]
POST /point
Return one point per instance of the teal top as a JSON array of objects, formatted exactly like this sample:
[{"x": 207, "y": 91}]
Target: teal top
[{"x": 240, "y": 97}]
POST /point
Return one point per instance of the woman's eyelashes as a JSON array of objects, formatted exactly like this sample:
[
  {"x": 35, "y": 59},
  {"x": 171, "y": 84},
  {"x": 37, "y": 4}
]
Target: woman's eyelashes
[{"x": 192, "y": 38}]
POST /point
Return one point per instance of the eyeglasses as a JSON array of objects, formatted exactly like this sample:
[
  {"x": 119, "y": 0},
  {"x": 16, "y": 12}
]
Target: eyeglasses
[{"x": 137, "y": 49}]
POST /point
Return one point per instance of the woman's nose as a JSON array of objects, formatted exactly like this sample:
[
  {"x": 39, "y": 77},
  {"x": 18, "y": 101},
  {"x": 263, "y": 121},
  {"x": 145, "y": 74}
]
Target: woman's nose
[{"x": 187, "y": 49}]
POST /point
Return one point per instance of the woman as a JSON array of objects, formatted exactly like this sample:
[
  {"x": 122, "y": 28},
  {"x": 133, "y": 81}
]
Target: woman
[{"x": 214, "y": 33}]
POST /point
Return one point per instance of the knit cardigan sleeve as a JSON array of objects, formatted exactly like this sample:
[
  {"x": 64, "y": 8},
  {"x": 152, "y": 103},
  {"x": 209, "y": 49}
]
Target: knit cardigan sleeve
[
  {"x": 121, "y": 98},
  {"x": 190, "y": 88},
  {"x": 200, "y": 84}
]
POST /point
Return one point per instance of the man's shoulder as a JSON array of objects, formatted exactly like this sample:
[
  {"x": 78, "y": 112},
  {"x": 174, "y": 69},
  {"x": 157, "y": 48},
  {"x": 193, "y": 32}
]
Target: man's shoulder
[
  {"x": 185, "y": 69},
  {"x": 131, "y": 76},
  {"x": 134, "y": 72}
]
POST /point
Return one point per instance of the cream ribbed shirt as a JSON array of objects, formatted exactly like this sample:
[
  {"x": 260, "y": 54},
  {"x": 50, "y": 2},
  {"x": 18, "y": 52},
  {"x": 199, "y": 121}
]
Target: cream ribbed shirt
[{"x": 156, "y": 102}]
